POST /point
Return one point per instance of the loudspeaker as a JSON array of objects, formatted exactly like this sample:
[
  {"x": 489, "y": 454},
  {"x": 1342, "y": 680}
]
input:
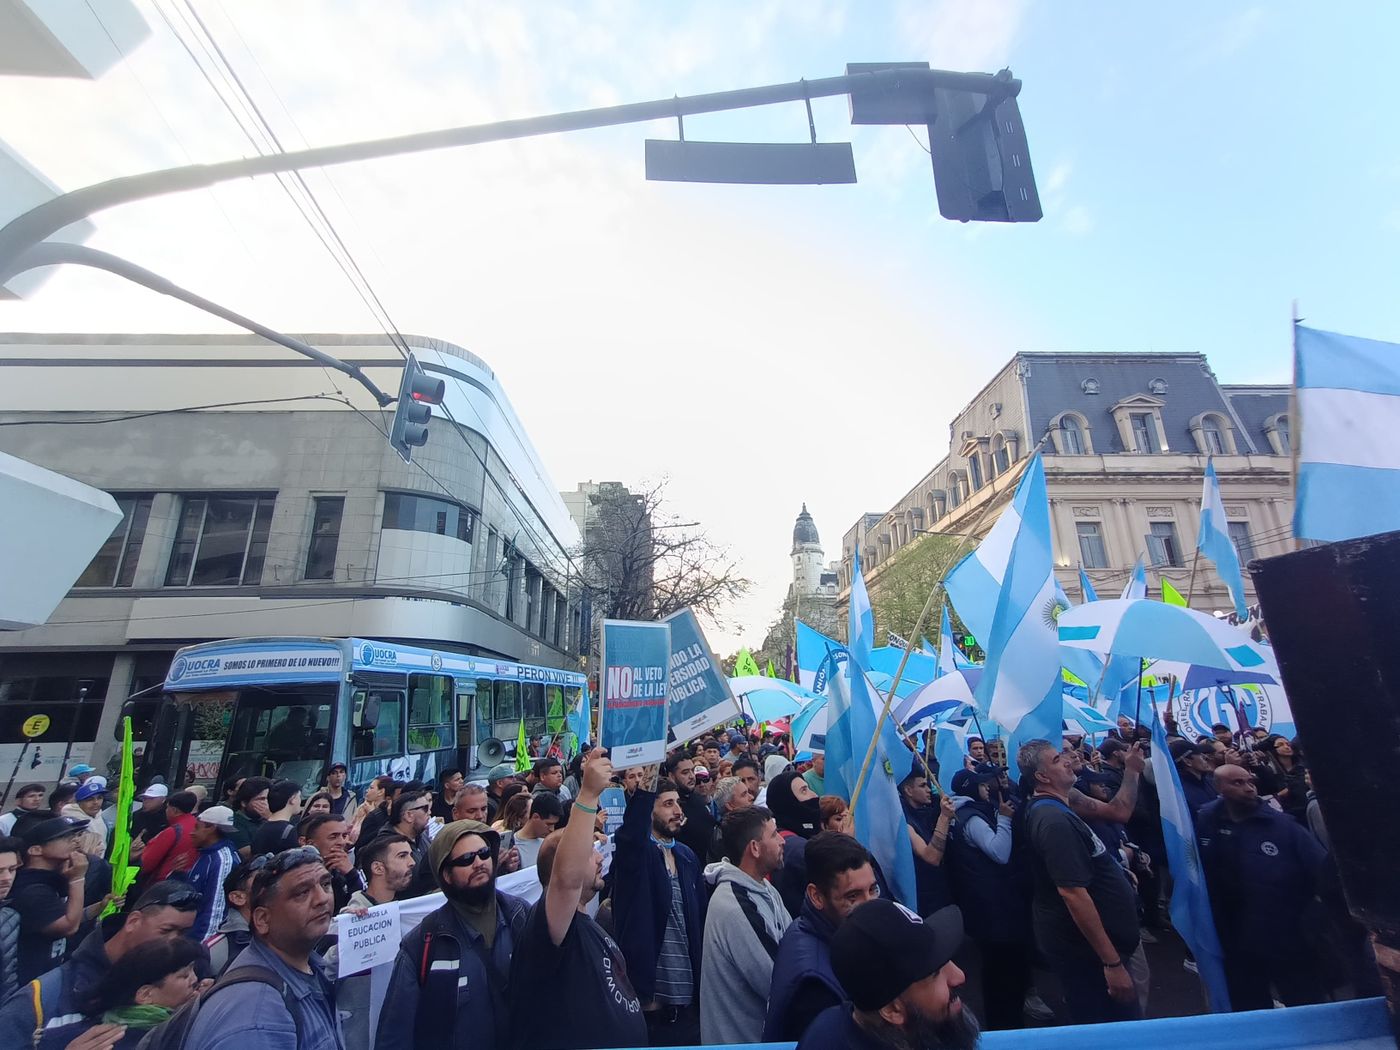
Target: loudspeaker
[{"x": 491, "y": 752}]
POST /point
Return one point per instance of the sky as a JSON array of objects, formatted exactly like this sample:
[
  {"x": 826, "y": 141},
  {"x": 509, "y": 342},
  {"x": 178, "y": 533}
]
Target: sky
[{"x": 1202, "y": 166}]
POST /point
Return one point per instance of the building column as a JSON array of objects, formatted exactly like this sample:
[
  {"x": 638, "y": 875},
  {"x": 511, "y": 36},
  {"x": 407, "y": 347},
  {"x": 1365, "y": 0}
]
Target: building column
[{"x": 118, "y": 689}]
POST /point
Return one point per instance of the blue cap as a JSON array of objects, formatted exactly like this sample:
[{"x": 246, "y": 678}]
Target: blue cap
[
  {"x": 81, "y": 769},
  {"x": 90, "y": 790}
]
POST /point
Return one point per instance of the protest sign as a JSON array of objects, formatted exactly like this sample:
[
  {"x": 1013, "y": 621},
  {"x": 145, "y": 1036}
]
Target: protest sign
[
  {"x": 633, "y": 683},
  {"x": 699, "y": 696},
  {"x": 614, "y": 800},
  {"x": 369, "y": 941}
]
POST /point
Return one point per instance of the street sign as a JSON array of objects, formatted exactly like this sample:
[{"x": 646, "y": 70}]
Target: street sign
[{"x": 35, "y": 725}]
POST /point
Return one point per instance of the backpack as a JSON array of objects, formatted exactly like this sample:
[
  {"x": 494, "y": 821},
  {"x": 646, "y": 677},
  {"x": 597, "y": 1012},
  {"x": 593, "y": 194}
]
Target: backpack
[{"x": 174, "y": 1033}]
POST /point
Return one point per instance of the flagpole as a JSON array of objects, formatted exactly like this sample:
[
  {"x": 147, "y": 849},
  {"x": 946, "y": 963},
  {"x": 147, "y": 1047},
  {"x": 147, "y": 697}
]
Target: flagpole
[
  {"x": 1295, "y": 423},
  {"x": 918, "y": 628},
  {"x": 1137, "y": 711}
]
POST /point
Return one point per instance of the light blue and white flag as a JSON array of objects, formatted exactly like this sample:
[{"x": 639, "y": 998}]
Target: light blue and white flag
[
  {"x": 1090, "y": 595},
  {"x": 1348, "y": 392},
  {"x": 950, "y": 657},
  {"x": 1215, "y": 542},
  {"x": 878, "y": 815},
  {"x": 1122, "y": 671},
  {"x": 950, "y": 749},
  {"x": 816, "y": 656},
  {"x": 1190, "y": 907},
  {"x": 1022, "y": 673}
]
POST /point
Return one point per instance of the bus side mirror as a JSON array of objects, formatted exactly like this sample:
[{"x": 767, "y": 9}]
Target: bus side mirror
[{"x": 369, "y": 713}]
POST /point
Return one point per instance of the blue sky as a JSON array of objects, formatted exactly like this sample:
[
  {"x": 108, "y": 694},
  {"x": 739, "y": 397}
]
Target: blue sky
[{"x": 1201, "y": 166}]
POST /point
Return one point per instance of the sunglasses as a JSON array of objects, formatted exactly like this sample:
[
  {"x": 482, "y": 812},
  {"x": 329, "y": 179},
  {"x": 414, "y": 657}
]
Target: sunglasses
[
  {"x": 418, "y": 809},
  {"x": 183, "y": 900},
  {"x": 466, "y": 860},
  {"x": 275, "y": 866}
]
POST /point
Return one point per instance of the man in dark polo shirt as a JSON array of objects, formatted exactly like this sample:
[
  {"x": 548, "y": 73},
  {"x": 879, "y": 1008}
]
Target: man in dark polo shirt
[{"x": 1085, "y": 911}]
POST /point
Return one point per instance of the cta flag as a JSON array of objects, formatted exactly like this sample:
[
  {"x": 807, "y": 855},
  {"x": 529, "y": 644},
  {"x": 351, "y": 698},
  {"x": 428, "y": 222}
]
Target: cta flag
[
  {"x": 1171, "y": 595},
  {"x": 745, "y": 664},
  {"x": 1215, "y": 542},
  {"x": 1190, "y": 907},
  {"x": 1348, "y": 392}
]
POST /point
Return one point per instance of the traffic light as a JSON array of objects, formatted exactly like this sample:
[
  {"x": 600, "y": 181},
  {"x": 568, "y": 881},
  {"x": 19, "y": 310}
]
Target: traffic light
[
  {"x": 981, "y": 160},
  {"x": 418, "y": 392}
]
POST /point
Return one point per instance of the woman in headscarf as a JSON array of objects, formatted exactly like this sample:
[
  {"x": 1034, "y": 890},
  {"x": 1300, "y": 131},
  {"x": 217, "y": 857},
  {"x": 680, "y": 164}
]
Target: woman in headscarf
[{"x": 798, "y": 813}]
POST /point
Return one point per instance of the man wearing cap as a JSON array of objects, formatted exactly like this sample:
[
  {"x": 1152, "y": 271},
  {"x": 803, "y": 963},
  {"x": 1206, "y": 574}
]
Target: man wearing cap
[
  {"x": 1195, "y": 762},
  {"x": 86, "y": 806},
  {"x": 149, "y": 820},
  {"x": 343, "y": 801},
  {"x": 902, "y": 984},
  {"x": 164, "y": 912},
  {"x": 217, "y": 858},
  {"x": 460, "y": 953},
  {"x": 501, "y": 777},
  {"x": 81, "y": 772},
  {"x": 29, "y": 810},
  {"x": 48, "y": 893}
]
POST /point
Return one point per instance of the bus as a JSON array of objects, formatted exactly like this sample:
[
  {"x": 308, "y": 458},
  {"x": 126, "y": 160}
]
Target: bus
[{"x": 289, "y": 707}]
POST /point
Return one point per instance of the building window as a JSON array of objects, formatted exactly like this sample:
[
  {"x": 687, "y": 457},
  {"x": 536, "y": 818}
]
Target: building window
[
  {"x": 413, "y": 513},
  {"x": 325, "y": 537},
  {"x": 1092, "y": 552},
  {"x": 1212, "y": 437},
  {"x": 1001, "y": 458},
  {"x": 1239, "y": 536},
  {"x": 1071, "y": 436},
  {"x": 974, "y": 471},
  {"x": 1162, "y": 545},
  {"x": 512, "y": 580},
  {"x": 1143, "y": 432},
  {"x": 1280, "y": 438},
  {"x": 115, "y": 564},
  {"x": 559, "y": 613},
  {"x": 532, "y": 597},
  {"x": 220, "y": 542}
]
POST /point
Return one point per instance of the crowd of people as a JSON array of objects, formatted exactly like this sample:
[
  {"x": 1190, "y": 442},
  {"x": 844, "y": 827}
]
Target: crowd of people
[{"x": 731, "y": 905}]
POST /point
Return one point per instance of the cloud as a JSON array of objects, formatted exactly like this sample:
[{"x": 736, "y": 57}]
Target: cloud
[
  {"x": 969, "y": 35},
  {"x": 1078, "y": 221}
]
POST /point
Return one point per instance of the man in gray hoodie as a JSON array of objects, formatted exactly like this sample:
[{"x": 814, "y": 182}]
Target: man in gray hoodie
[{"x": 745, "y": 922}]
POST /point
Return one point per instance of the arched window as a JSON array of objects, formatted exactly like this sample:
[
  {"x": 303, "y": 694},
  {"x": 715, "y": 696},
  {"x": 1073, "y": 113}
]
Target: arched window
[
  {"x": 1212, "y": 436},
  {"x": 1071, "y": 436},
  {"x": 1001, "y": 458},
  {"x": 1283, "y": 435}
]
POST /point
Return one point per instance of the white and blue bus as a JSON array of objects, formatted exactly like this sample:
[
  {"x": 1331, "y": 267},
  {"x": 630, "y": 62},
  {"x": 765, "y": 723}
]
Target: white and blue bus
[{"x": 288, "y": 707}]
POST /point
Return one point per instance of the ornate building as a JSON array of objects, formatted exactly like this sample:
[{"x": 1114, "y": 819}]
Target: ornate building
[
  {"x": 810, "y": 578},
  {"x": 1125, "y": 438}
]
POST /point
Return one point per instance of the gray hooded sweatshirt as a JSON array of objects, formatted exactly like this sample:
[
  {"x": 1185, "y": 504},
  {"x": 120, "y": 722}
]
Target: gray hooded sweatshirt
[{"x": 737, "y": 967}]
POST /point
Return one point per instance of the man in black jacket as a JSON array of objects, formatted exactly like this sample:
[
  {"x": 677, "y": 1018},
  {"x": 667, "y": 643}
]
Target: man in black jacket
[{"x": 699, "y": 824}]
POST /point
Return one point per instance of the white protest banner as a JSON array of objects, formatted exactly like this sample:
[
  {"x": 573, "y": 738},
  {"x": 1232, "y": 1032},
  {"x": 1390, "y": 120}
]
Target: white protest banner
[
  {"x": 699, "y": 694},
  {"x": 369, "y": 941},
  {"x": 524, "y": 884}
]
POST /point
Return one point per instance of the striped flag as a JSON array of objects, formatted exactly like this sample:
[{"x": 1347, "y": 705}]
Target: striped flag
[
  {"x": 1348, "y": 392},
  {"x": 1215, "y": 542}
]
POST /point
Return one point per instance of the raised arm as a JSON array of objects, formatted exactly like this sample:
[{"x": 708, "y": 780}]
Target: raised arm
[
  {"x": 573, "y": 863},
  {"x": 1120, "y": 809}
]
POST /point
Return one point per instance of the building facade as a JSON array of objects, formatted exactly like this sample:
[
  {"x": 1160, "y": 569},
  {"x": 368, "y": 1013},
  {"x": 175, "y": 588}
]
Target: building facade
[
  {"x": 1125, "y": 439},
  {"x": 286, "y": 512}
]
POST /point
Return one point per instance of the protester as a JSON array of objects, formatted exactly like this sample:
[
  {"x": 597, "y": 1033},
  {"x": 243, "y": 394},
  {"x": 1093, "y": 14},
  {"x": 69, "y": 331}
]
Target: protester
[
  {"x": 249, "y": 812},
  {"x": 745, "y": 921},
  {"x": 1290, "y": 775},
  {"x": 86, "y": 805},
  {"x": 330, "y": 837},
  {"x": 738, "y": 746},
  {"x": 1262, "y": 869},
  {"x": 515, "y": 811},
  {"x": 449, "y": 783},
  {"x": 546, "y": 811},
  {"x": 60, "y": 797},
  {"x": 840, "y": 878},
  {"x": 460, "y": 953},
  {"x": 501, "y": 777},
  {"x": 291, "y": 912},
  {"x": 470, "y": 803},
  {"x": 710, "y": 755},
  {"x": 11, "y": 850},
  {"x": 746, "y": 769},
  {"x": 149, "y": 820},
  {"x": 279, "y": 830},
  {"x": 928, "y": 826},
  {"x": 387, "y": 867},
  {"x": 836, "y": 816},
  {"x": 29, "y": 810},
  {"x": 319, "y": 805},
  {"x": 1195, "y": 764},
  {"x": 213, "y": 837},
  {"x": 408, "y": 816},
  {"x": 705, "y": 788},
  {"x": 372, "y": 815},
  {"x": 343, "y": 802},
  {"x": 816, "y": 776},
  {"x": 731, "y": 795},
  {"x": 699, "y": 824},
  {"x": 48, "y": 894},
  {"x": 174, "y": 848},
  {"x": 658, "y": 908},
  {"x": 164, "y": 912},
  {"x": 236, "y": 930},
  {"x": 549, "y": 778},
  {"x": 798, "y": 814},
  {"x": 566, "y": 952},
  {"x": 1085, "y": 911},
  {"x": 154, "y": 980}
]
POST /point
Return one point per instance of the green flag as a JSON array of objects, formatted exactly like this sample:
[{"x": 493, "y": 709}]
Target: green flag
[
  {"x": 770, "y": 672},
  {"x": 123, "y": 871},
  {"x": 745, "y": 664},
  {"x": 1171, "y": 595},
  {"x": 522, "y": 750}
]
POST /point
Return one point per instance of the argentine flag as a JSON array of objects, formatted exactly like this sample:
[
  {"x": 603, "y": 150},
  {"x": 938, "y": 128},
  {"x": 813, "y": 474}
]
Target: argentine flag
[
  {"x": 1348, "y": 392},
  {"x": 1215, "y": 541},
  {"x": 1022, "y": 674},
  {"x": 1122, "y": 671}
]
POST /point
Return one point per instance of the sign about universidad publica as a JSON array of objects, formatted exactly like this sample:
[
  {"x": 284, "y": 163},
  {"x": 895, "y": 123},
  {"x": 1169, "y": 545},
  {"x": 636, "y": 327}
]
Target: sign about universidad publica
[
  {"x": 633, "y": 683},
  {"x": 699, "y": 698}
]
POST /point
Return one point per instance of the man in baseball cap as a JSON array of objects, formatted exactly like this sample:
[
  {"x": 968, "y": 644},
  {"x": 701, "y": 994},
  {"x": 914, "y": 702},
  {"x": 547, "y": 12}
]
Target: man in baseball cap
[
  {"x": 898, "y": 974},
  {"x": 81, "y": 772},
  {"x": 1195, "y": 762}
]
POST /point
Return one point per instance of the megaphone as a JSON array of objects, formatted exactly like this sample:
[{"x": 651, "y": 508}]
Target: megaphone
[{"x": 491, "y": 751}]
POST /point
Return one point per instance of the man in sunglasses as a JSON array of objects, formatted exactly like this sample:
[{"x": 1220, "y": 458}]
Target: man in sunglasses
[
  {"x": 291, "y": 909},
  {"x": 165, "y": 912},
  {"x": 460, "y": 953}
]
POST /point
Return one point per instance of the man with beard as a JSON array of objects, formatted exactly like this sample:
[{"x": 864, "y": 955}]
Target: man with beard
[
  {"x": 798, "y": 812},
  {"x": 699, "y": 823},
  {"x": 743, "y": 925},
  {"x": 460, "y": 953},
  {"x": 564, "y": 953},
  {"x": 659, "y": 912},
  {"x": 291, "y": 908},
  {"x": 902, "y": 984}
]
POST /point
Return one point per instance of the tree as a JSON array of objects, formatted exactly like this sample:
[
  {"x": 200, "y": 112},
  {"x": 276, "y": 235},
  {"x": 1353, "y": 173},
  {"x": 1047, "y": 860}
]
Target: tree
[
  {"x": 643, "y": 563},
  {"x": 901, "y": 584}
]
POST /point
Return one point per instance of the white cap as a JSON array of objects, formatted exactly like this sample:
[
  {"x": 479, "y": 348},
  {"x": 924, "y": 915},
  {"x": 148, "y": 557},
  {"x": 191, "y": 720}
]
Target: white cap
[
  {"x": 100, "y": 781},
  {"x": 218, "y": 816},
  {"x": 155, "y": 791}
]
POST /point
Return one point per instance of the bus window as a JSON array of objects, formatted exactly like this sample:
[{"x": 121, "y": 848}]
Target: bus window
[
  {"x": 534, "y": 707},
  {"x": 429, "y": 712},
  {"x": 483, "y": 709},
  {"x": 281, "y": 734},
  {"x": 466, "y": 701},
  {"x": 554, "y": 711},
  {"x": 507, "y": 706},
  {"x": 381, "y": 740}
]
